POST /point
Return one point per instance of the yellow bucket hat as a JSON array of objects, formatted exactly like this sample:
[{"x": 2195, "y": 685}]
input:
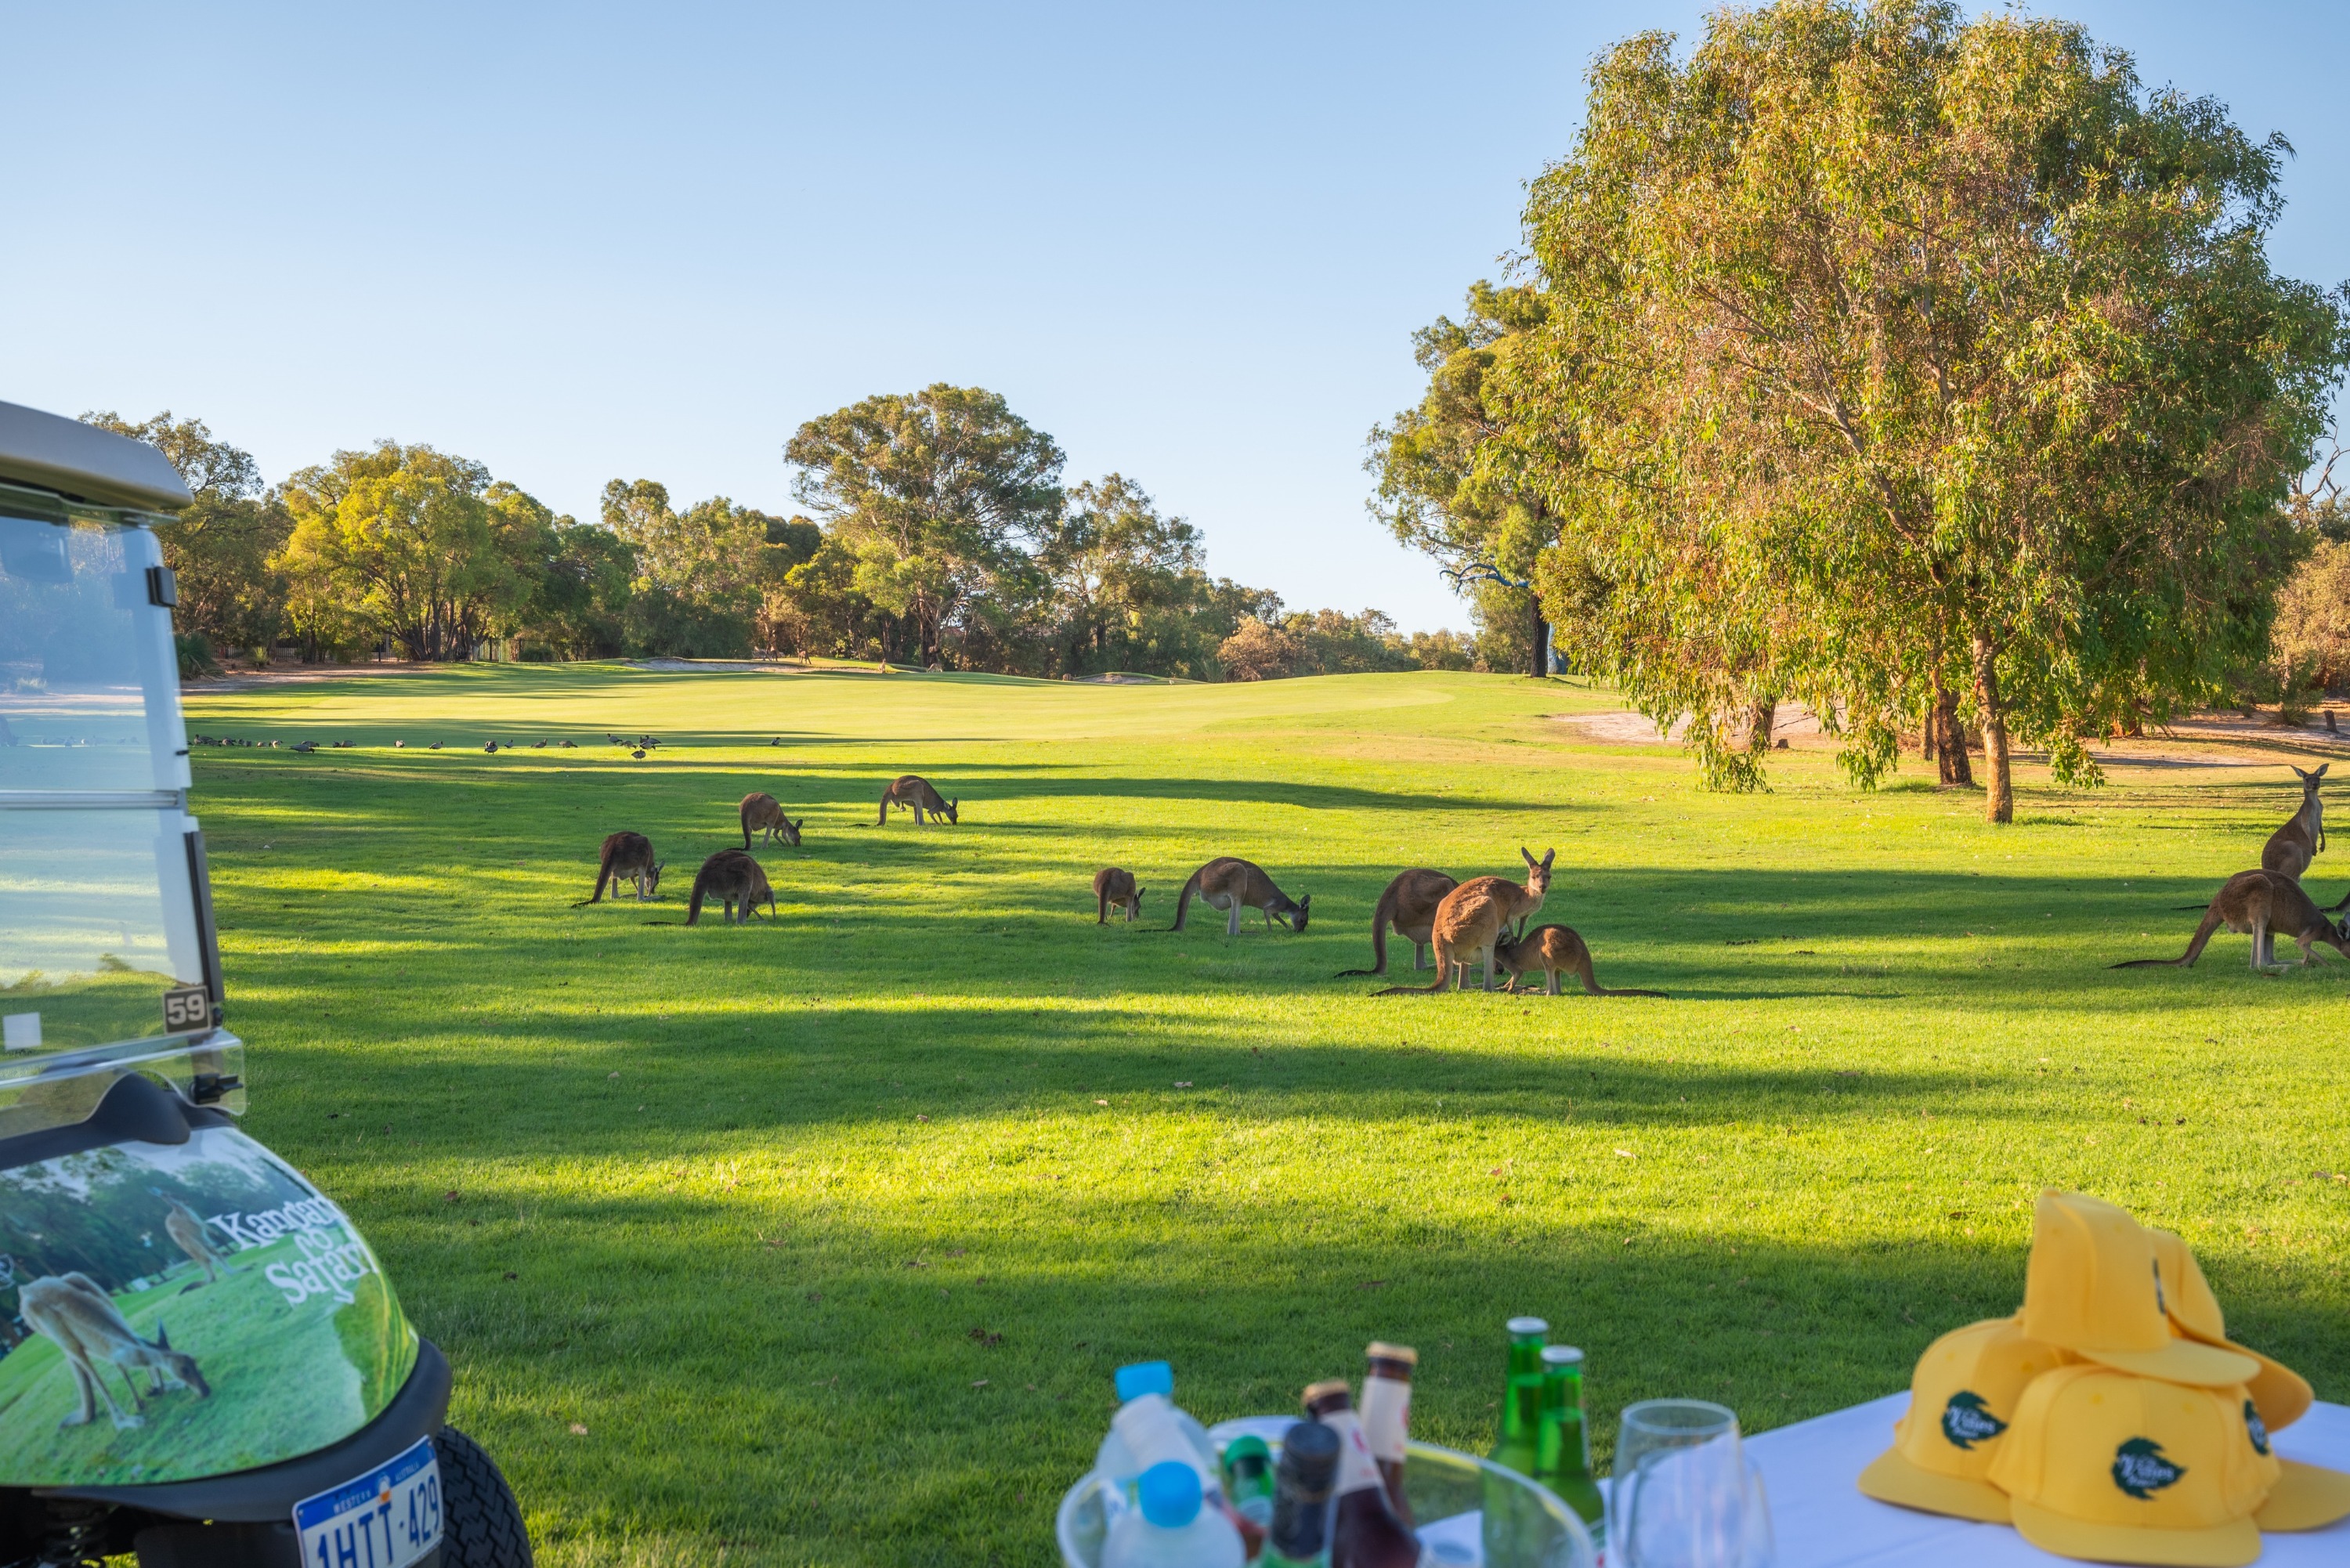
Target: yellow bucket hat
[
  {"x": 2106, "y": 1465},
  {"x": 1962, "y": 1399},
  {"x": 2093, "y": 1287},
  {"x": 2281, "y": 1393}
]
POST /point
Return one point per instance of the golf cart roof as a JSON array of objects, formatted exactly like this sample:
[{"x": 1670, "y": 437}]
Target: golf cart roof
[{"x": 85, "y": 462}]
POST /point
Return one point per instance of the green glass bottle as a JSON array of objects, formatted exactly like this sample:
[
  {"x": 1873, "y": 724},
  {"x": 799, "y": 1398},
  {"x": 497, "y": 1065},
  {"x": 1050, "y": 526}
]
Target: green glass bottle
[
  {"x": 1562, "y": 1458},
  {"x": 1508, "y": 1527}
]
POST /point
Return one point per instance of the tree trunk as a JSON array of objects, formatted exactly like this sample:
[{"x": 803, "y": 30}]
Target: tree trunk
[
  {"x": 1949, "y": 739},
  {"x": 1540, "y": 638},
  {"x": 1999, "y": 800}
]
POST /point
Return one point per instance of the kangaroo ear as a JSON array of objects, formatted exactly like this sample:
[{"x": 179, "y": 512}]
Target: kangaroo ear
[
  {"x": 2320, "y": 773},
  {"x": 1528, "y": 854},
  {"x": 1548, "y": 856},
  {"x": 163, "y": 1336}
]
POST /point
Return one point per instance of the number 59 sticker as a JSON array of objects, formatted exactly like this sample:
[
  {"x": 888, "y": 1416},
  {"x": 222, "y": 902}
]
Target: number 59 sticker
[{"x": 187, "y": 1007}]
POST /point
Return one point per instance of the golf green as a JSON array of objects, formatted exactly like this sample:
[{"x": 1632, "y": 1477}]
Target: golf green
[{"x": 816, "y": 1240}]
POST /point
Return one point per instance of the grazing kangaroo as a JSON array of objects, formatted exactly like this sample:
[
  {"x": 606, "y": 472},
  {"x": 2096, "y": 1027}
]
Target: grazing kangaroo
[
  {"x": 736, "y": 882},
  {"x": 628, "y": 854},
  {"x": 2269, "y": 904},
  {"x": 2291, "y": 847},
  {"x": 1113, "y": 885},
  {"x": 1472, "y": 918},
  {"x": 186, "y": 1229},
  {"x": 83, "y": 1323},
  {"x": 912, "y": 791},
  {"x": 763, "y": 814},
  {"x": 1409, "y": 905},
  {"x": 1553, "y": 950},
  {"x": 1231, "y": 885}
]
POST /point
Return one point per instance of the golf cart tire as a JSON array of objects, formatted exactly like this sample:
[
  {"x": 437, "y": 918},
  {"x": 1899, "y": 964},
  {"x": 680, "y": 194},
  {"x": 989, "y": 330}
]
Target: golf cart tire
[{"x": 481, "y": 1523}]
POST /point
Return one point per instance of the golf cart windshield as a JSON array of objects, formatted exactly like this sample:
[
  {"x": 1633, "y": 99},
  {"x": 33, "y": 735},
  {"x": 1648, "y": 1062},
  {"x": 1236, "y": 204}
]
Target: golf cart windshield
[{"x": 103, "y": 925}]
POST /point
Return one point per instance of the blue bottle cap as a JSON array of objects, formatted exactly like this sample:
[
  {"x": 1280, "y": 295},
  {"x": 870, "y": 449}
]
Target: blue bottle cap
[
  {"x": 1170, "y": 1493},
  {"x": 1143, "y": 1377}
]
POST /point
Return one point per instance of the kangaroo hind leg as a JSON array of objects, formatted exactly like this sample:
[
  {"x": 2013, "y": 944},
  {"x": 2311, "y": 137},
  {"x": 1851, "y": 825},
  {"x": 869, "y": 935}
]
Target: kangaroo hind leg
[{"x": 1232, "y": 919}]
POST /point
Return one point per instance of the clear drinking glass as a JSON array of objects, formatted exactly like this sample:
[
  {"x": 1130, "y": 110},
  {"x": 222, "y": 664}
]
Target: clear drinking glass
[{"x": 1684, "y": 1493}]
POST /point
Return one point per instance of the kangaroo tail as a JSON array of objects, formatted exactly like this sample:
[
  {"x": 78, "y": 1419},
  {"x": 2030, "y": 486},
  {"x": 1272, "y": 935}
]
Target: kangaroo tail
[
  {"x": 882, "y": 820},
  {"x": 1380, "y": 918},
  {"x": 1591, "y": 986},
  {"x": 2337, "y": 908},
  {"x": 746, "y": 826},
  {"x": 693, "y": 909},
  {"x": 1443, "y": 977},
  {"x": 603, "y": 875},
  {"x": 2186, "y": 959},
  {"x": 1183, "y": 901}
]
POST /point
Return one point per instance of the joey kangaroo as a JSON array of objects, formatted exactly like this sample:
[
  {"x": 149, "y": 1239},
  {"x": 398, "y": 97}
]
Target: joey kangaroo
[
  {"x": 913, "y": 791},
  {"x": 735, "y": 882},
  {"x": 186, "y": 1229},
  {"x": 1231, "y": 885},
  {"x": 1470, "y": 921},
  {"x": 2269, "y": 904},
  {"x": 1554, "y": 950},
  {"x": 763, "y": 814},
  {"x": 1115, "y": 885},
  {"x": 1409, "y": 905},
  {"x": 82, "y": 1321},
  {"x": 630, "y": 855}
]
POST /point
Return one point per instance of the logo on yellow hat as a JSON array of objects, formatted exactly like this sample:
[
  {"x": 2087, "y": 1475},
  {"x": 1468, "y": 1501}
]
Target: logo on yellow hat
[
  {"x": 2141, "y": 1471},
  {"x": 1965, "y": 1421},
  {"x": 2252, "y": 1425}
]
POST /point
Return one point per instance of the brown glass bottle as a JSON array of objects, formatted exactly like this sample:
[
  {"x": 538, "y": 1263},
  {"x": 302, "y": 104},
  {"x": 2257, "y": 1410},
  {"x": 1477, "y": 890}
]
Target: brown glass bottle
[
  {"x": 1387, "y": 1416},
  {"x": 1364, "y": 1530}
]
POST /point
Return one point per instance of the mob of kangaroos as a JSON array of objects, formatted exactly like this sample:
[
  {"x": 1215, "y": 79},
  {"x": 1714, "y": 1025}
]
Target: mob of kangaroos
[
  {"x": 1470, "y": 920},
  {"x": 1233, "y": 885},
  {"x": 914, "y": 792}
]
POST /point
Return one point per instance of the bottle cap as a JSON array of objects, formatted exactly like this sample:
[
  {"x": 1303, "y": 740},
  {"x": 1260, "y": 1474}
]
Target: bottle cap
[
  {"x": 1561, "y": 1356},
  {"x": 1324, "y": 1388},
  {"x": 1526, "y": 1327},
  {"x": 1381, "y": 1350},
  {"x": 1246, "y": 1448},
  {"x": 1169, "y": 1494},
  {"x": 1142, "y": 1378},
  {"x": 1309, "y": 1458}
]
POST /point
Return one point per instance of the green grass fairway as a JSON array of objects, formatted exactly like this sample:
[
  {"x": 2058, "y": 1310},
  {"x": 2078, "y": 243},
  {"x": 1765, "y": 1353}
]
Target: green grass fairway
[{"x": 815, "y": 1241}]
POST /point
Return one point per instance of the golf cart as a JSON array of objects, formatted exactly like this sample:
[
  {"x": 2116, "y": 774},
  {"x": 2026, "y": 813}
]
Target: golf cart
[{"x": 201, "y": 1360}]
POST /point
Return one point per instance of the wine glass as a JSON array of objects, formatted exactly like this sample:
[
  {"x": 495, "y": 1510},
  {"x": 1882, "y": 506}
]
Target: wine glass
[{"x": 1684, "y": 1493}]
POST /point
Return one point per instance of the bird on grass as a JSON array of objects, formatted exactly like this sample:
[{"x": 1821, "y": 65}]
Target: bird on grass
[
  {"x": 308, "y": 746},
  {"x": 492, "y": 747},
  {"x": 638, "y": 753},
  {"x": 434, "y": 747}
]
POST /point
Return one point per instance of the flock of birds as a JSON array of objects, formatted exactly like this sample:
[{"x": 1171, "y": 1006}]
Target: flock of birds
[{"x": 638, "y": 747}]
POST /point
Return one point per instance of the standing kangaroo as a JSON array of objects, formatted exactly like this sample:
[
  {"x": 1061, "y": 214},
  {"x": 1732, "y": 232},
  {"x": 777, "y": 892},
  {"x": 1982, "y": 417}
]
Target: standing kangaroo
[
  {"x": 2291, "y": 847},
  {"x": 913, "y": 791},
  {"x": 1409, "y": 905},
  {"x": 1113, "y": 885},
  {"x": 1232, "y": 885},
  {"x": 630, "y": 855},
  {"x": 736, "y": 882},
  {"x": 2269, "y": 904},
  {"x": 1472, "y": 918},
  {"x": 83, "y": 1322},
  {"x": 186, "y": 1229},
  {"x": 763, "y": 814},
  {"x": 1554, "y": 949}
]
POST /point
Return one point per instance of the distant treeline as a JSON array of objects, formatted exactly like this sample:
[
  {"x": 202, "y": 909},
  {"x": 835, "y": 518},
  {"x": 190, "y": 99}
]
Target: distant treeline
[{"x": 938, "y": 534}]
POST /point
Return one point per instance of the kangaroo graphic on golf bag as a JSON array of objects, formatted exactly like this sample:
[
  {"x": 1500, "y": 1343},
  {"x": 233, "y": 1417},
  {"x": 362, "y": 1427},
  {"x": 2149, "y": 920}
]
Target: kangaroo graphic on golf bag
[
  {"x": 1554, "y": 950},
  {"x": 763, "y": 814},
  {"x": 914, "y": 792},
  {"x": 1113, "y": 885},
  {"x": 1409, "y": 905},
  {"x": 1232, "y": 885},
  {"x": 81, "y": 1320},
  {"x": 628, "y": 854},
  {"x": 2269, "y": 905},
  {"x": 1472, "y": 918},
  {"x": 736, "y": 882},
  {"x": 186, "y": 1229}
]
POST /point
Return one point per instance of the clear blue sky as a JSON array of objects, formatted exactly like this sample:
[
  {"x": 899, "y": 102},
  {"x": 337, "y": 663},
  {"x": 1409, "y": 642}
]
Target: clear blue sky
[{"x": 1191, "y": 242}]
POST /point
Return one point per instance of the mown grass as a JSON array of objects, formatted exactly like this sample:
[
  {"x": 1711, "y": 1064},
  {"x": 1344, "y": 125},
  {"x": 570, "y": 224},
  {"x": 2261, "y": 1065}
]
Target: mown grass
[{"x": 830, "y": 1231}]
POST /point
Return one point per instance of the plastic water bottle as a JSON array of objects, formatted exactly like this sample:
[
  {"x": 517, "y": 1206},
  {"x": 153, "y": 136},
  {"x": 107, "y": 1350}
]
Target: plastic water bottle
[
  {"x": 1170, "y": 1529},
  {"x": 1144, "y": 1380}
]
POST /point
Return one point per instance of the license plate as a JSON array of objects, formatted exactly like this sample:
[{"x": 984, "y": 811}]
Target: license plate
[{"x": 388, "y": 1518}]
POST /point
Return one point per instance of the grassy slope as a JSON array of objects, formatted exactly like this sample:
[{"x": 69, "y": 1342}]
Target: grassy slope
[{"x": 750, "y": 1206}]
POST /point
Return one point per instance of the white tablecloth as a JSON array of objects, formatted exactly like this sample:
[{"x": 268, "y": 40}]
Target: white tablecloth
[{"x": 1822, "y": 1519}]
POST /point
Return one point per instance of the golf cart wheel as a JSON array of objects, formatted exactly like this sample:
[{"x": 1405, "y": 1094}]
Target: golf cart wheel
[{"x": 481, "y": 1523}]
